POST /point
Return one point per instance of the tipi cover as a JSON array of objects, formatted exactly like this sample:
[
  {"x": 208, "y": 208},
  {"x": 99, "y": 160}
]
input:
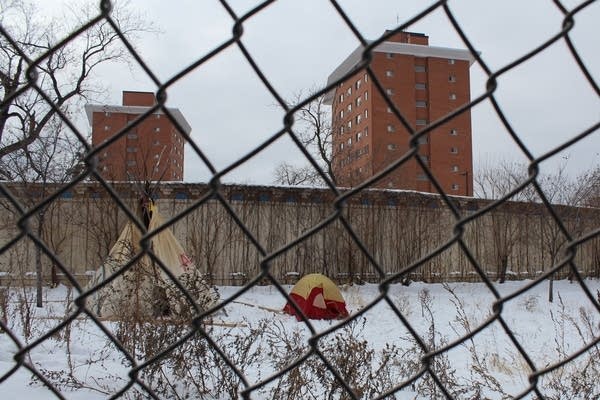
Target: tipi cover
[
  {"x": 318, "y": 298},
  {"x": 145, "y": 290}
]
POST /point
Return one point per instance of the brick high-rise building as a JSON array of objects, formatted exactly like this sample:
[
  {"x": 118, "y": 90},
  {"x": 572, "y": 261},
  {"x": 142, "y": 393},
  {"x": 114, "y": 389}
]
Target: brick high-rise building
[
  {"x": 153, "y": 150},
  {"x": 425, "y": 83}
]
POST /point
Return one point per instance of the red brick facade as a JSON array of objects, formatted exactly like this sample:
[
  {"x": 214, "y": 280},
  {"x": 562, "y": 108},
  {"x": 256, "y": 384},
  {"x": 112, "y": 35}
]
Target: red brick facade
[
  {"x": 152, "y": 150},
  {"x": 425, "y": 83}
]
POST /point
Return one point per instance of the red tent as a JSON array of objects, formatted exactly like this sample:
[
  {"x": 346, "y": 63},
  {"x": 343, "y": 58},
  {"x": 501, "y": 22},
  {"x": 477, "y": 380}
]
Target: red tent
[{"x": 318, "y": 298}]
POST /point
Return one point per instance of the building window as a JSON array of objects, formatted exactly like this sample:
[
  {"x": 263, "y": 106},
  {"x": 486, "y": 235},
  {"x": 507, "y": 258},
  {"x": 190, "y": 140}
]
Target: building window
[
  {"x": 342, "y": 114},
  {"x": 452, "y": 78},
  {"x": 366, "y": 131},
  {"x": 420, "y": 86},
  {"x": 454, "y": 168},
  {"x": 453, "y": 132},
  {"x": 349, "y": 108},
  {"x": 419, "y": 68},
  {"x": 132, "y": 136},
  {"x": 452, "y": 96},
  {"x": 389, "y": 110},
  {"x": 358, "y": 82},
  {"x": 391, "y": 146},
  {"x": 422, "y": 139},
  {"x": 132, "y": 149},
  {"x": 358, "y": 119},
  {"x": 390, "y": 128},
  {"x": 366, "y": 114},
  {"x": 107, "y": 114},
  {"x": 349, "y": 142},
  {"x": 349, "y": 91},
  {"x": 421, "y": 122},
  {"x": 421, "y": 104},
  {"x": 455, "y": 186},
  {"x": 358, "y": 136},
  {"x": 349, "y": 124},
  {"x": 453, "y": 150},
  {"x": 106, "y": 127},
  {"x": 389, "y": 92},
  {"x": 366, "y": 78},
  {"x": 130, "y": 163},
  {"x": 342, "y": 146},
  {"x": 422, "y": 177},
  {"x": 389, "y": 73},
  {"x": 366, "y": 96},
  {"x": 157, "y": 129},
  {"x": 389, "y": 55},
  {"x": 358, "y": 101},
  {"x": 424, "y": 158},
  {"x": 156, "y": 143},
  {"x": 156, "y": 156},
  {"x": 342, "y": 130},
  {"x": 451, "y": 61}
]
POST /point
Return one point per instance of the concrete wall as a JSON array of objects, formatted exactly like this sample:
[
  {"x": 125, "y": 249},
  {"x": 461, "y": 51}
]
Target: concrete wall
[{"x": 397, "y": 228}]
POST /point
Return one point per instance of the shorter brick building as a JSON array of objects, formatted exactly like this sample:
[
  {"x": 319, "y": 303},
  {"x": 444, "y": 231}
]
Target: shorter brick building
[
  {"x": 425, "y": 83},
  {"x": 150, "y": 149}
]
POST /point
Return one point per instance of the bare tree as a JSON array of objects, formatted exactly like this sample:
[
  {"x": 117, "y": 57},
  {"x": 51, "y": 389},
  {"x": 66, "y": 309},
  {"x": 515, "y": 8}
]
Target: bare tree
[
  {"x": 35, "y": 145},
  {"x": 314, "y": 129},
  {"x": 492, "y": 181},
  {"x": 559, "y": 188},
  {"x": 38, "y": 166},
  {"x": 63, "y": 73}
]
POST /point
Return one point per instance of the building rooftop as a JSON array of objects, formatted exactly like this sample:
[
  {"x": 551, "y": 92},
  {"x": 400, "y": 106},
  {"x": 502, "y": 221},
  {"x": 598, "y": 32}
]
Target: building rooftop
[
  {"x": 396, "y": 48},
  {"x": 92, "y": 108}
]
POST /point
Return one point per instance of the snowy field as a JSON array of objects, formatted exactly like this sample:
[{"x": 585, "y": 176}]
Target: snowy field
[{"x": 375, "y": 353}]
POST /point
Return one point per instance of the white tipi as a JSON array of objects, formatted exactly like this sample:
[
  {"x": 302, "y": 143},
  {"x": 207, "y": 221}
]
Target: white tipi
[{"x": 144, "y": 290}]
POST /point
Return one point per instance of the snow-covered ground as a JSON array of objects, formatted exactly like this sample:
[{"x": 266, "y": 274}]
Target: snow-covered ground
[{"x": 260, "y": 341}]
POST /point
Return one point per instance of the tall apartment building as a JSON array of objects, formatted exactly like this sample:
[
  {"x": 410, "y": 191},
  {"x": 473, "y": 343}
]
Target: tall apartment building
[
  {"x": 425, "y": 83},
  {"x": 152, "y": 150}
]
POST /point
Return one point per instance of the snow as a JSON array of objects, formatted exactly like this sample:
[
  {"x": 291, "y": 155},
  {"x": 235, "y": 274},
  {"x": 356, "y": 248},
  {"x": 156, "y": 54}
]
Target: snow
[{"x": 543, "y": 329}]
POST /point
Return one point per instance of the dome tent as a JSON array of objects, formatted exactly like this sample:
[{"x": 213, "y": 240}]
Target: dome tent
[{"x": 318, "y": 298}]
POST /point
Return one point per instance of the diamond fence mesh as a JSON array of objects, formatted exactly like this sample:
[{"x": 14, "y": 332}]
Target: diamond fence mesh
[{"x": 197, "y": 327}]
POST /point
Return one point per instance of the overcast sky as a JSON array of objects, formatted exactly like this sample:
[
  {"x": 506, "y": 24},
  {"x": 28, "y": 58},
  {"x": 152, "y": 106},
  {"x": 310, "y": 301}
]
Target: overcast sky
[{"x": 298, "y": 44}]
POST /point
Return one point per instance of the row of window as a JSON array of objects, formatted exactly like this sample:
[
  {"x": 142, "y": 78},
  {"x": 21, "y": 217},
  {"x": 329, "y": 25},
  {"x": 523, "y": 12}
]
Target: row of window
[
  {"x": 420, "y": 122},
  {"x": 356, "y": 85},
  {"x": 451, "y": 61},
  {"x": 393, "y": 146},
  {"x": 357, "y": 119},
  {"x": 108, "y": 114},
  {"x": 359, "y": 135},
  {"x": 358, "y": 102},
  {"x": 420, "y": 86},
  {"x": 132, "y": 135},
  {"x": 354, "y": 155}
]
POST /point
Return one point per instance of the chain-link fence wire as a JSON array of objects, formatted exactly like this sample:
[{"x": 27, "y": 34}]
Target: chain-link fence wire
[{"x": 566, "y": 262}]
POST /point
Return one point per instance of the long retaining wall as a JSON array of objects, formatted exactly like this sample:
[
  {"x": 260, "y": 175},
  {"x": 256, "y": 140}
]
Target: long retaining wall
[{"x": 516, "y": 241}]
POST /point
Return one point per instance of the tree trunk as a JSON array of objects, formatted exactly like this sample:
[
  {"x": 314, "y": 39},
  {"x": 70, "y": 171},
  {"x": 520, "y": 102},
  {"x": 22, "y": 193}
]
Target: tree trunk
[{"x": 38, "y": 263}]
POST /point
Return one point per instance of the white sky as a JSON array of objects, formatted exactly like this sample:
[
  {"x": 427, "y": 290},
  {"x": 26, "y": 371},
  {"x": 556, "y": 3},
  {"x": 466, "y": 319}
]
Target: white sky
[{"x": 297, "y": 44}]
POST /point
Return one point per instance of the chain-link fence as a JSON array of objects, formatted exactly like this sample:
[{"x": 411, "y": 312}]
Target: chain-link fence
[{"x": 196, "y": 338}]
